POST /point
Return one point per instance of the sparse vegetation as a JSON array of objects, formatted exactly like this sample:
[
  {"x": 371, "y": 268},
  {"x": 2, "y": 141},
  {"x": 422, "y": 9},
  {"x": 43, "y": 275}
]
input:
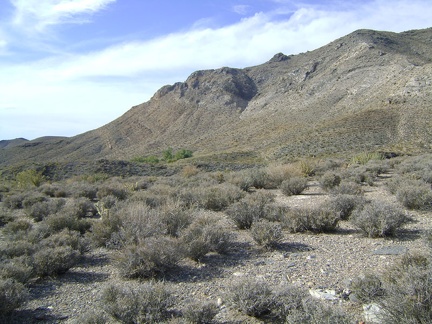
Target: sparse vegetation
[{"x": 293, "y": 186}]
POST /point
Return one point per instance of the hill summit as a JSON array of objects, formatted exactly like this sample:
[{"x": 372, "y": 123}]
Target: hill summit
[{"x": 369, "y": 90}]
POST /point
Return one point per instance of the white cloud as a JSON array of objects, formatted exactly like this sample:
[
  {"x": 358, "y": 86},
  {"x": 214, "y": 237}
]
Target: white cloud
[
  {"x": 92, "y": 89},
  {"x": 38, "y": 14}
]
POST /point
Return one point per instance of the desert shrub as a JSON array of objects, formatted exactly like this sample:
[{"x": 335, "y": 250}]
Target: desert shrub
[
  {"x": 200, "y": 312},
  {"x": 148, "y": 258},
  {"x": 68, "y": 238},
  {"x": 251, "y": 208},
  {"x": 347, "y": 188},
  {"x": 51, "y": 261},
  {"x": 215, "y": 197},
  {"x": 293, "y": 186},
  {"x": 365, "y": 157},
  {"x": 277, "y": 173},
  {"x": 256, "y": 298},
  {"x": 138, "y": 221},
  {"x": 206, "y": 233},
  {"x": 16, "y": 248},
  {"x": 147, "y": 303},
  {"x": 81, "y": 207},
  {"x": 17, "y": 227},
  {"x": 32, "y": 198},
  {"x": 415, "y": 196},
  {"x": 93, "y": 317},
  {"x": 14, "y": 201},
  {"x": 408, "y": 286},
  {"x": 258, "y": 178},
  {"x": 379, "y": 219},
  {"x": 120, "y": 192},
  {"x": 252, "y": 297},
  {"x": 29, "y": 178},
  {"x": 53, "y": 190},
  {"x": 318, "y": 312},
  {"x": 267, "y": 234},
  {"x": 367, "y": 288},
  {"x": 40, "y": 210},
  {"x": 64, "y": 220},
  {"x": 189, "y": 171},
  {"x": 360, "y": 175},
  {"x": 6, "y": 216},
  {"x": 18, "y": 269},
  {"x": 83, "y": 189},
  {"x": 329, "y": 180},
  {"x": 12, "y": 295},
  {"x": 101, "y": 231},
  {"x": 319, "y": 219},
  {"x": 344, "y": 205},
  {"x": 175, "y": 217}
]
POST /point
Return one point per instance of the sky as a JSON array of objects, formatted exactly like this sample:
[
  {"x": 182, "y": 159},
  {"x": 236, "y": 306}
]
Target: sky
[{"x": 70, "y": 66}]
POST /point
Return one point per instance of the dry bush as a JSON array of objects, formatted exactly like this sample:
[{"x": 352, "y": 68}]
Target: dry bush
[
  {"x": 200, "y": 312},
  {"x": 51, "y": 261},
  {"x": 6, "y": 216},
  {"x": 17, "y": 228},
  {"x": 147, "y": 303},
  {"x": 43, "y": 209},
  {"x": 83, "y": 189},
  {"x": 116, "y": 189},
  {"x": 251, "y": 208},
  {"x": 68, "y": 238},
  {"x": 347, "y": 188},
  {"x": 379, "y": 219},
  {"x": 319, "y": 219},
  {"x": 17, "y": 268},
  {"x": 277, "y": 173},
  {"x": 66, "y": 220},
  {"x": 175, "y": 217},
  {"x": 189, "y": 171},
  {"x": 214, "y": 197},
  {"x": 257, "y": 178},
  {"x": 317, "y": 312},
  {"x": 102, "y": 231},
  {"x": 148, "y": 258},
  {"x": 81, "y": 207},
  {"x": 16, "y": 248},
  {"x": 267, "y": 234},
  {"x": 138, "y": 221},
  {"x": 12, "y": 295},
  {"x": 329, "y": 180},
  {"x": 207, "y": 233},
  {"x": 418, "y": 196},
  {"x": 256, "y": 298},
  {"x": 252, "y": 297},
  {"x": 367, "y": 288},
  {"x": 54, "y": 190},
  {"x": 293, "y": 186},
  {"x": 408, "y": 286},
  {"x": 344, "y": 205}
]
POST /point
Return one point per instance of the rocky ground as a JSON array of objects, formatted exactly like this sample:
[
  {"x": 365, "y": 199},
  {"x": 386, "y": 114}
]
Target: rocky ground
[{"x": 322, "y": 263}]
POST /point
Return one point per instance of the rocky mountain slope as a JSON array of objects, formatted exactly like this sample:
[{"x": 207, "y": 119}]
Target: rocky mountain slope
[{"x": 369, "y": 90}]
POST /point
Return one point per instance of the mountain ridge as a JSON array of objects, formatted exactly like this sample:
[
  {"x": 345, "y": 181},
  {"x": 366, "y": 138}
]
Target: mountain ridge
[{"x": 368, "y": 90}]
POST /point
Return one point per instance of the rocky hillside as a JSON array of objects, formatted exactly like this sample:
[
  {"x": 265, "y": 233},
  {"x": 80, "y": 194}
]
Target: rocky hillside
[{"x": 369, "y": 90}]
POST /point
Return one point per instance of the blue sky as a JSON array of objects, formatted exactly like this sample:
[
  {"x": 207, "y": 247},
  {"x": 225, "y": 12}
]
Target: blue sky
[{"x": 69, "y": 66}]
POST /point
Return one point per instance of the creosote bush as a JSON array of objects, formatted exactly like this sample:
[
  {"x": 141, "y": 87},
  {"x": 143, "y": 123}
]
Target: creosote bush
[
  {"x": 251, "y": 208},
  {"x": 415, "y": 196},
  {"x": 293, "y": 186},
  {"x": 148, "y": 258},
  {"x": 12, "y": 295},
  {"x": 329, "y": 180},
  {"x": 318, "y": 219},
  {"x": 147, "y": 303},
  {"x": 200, "y": 312},
  {"x": 379, "y": 219},
  {"x": 267, "y": 234}
]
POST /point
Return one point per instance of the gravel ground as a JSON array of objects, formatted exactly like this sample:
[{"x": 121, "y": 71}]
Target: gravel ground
[{"x": 312, "y": 261}]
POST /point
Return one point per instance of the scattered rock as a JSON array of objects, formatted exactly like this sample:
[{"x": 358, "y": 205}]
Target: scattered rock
[
  {"x": 323, "y": 294},
  {"x": 371, "y": 313}
]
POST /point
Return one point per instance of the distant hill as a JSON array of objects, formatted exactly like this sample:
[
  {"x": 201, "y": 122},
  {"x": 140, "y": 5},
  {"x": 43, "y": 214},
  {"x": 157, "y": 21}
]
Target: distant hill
[
  {"x": 5, "y": 144},
  {"x": 369, "y": 90}
]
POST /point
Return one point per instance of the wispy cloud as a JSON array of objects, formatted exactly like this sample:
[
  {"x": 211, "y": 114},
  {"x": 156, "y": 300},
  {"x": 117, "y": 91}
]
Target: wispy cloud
[
  {"x": 241, "y": 9},
  {"x": 38, "y": 14}
]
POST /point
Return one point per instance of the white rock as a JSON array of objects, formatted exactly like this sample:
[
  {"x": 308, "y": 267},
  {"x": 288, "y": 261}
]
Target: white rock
[{"x": 371, "y": 313}]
